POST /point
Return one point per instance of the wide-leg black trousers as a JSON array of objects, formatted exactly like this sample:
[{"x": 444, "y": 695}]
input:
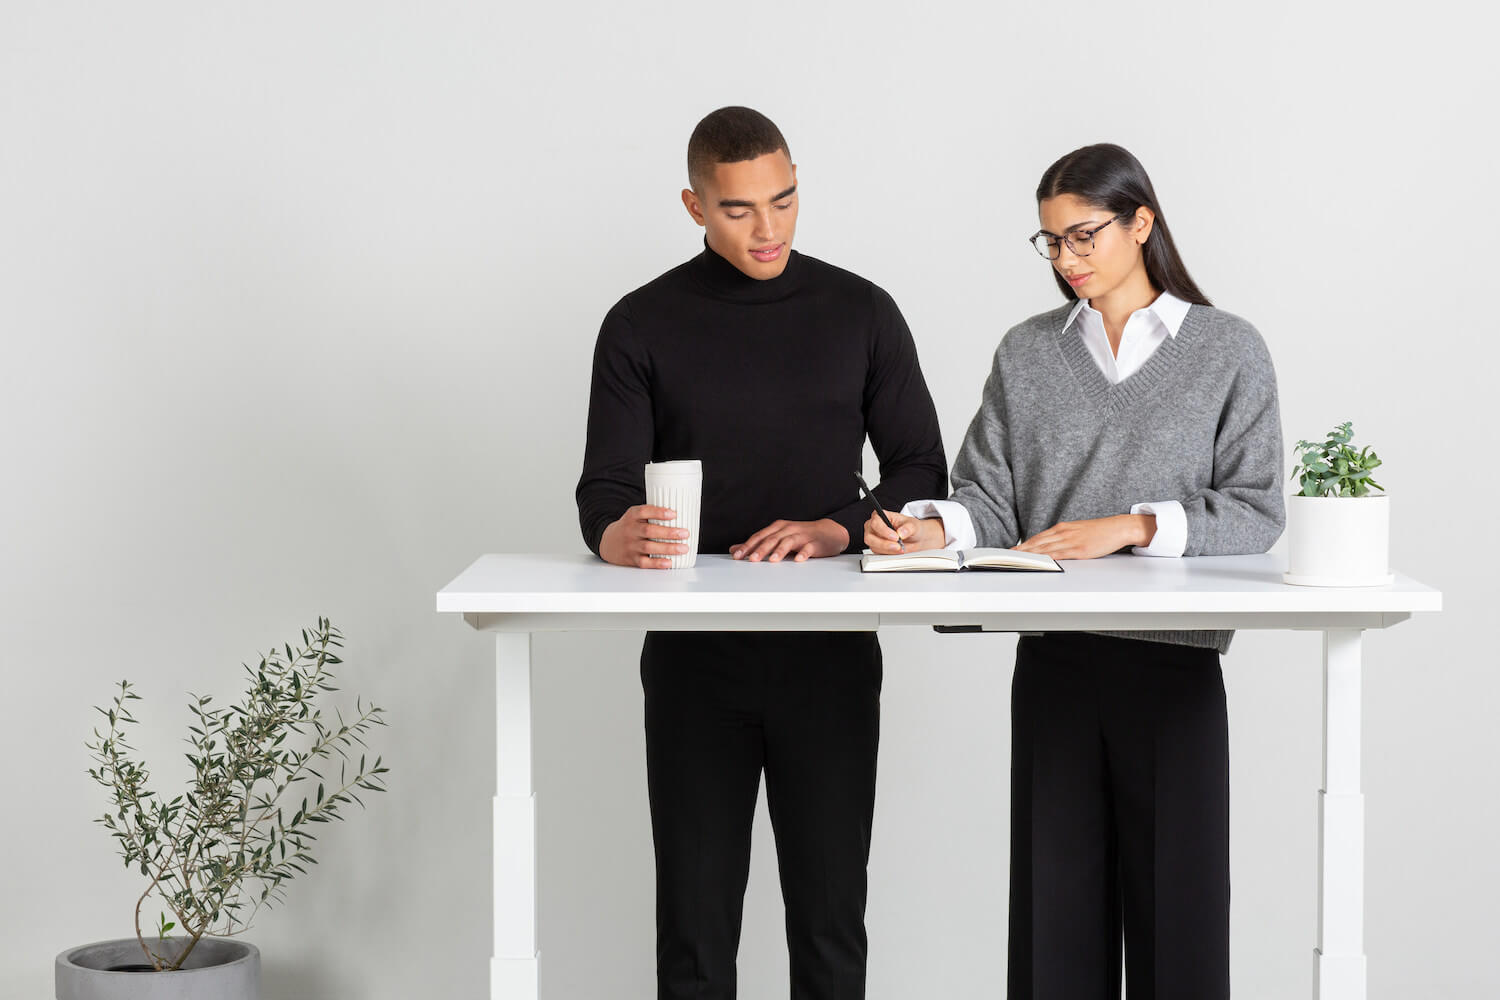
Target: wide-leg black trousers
[
  {"x": 721, "y": 709},
  {"x": 1119, "y": 820}
]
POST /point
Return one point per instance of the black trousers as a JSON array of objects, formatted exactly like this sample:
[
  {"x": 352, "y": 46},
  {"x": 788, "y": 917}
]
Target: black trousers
[
  {"x": 721, "y": 708},
  {"x": 1119, "y": 820}
]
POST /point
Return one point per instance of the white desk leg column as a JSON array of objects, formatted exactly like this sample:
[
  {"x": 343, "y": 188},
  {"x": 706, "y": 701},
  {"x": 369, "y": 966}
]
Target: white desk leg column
[
  {"x": 1339, "y": 961},
  {"x": 513, "y": 969}
]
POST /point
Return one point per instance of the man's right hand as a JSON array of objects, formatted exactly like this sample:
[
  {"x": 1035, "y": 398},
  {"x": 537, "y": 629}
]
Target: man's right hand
[
  {"x": 633, "y": 540},
  {"x": 915, "y": 532}
]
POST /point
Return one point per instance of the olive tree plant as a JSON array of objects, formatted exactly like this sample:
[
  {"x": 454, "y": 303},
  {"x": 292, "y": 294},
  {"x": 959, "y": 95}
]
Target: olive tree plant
[{"x": 244, "y": 827}]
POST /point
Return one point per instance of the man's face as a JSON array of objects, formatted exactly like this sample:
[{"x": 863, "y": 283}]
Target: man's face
[{"x": 749, "y": 210}]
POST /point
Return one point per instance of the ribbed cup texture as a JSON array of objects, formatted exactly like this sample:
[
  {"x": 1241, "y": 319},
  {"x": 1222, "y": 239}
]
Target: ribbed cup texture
[{"x": 681, "y": 490}]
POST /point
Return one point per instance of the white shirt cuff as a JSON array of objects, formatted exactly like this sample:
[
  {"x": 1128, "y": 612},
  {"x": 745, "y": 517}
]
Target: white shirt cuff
[
  {"x": 958, "y": 527},
  {"x": 1171, "y": 529}
]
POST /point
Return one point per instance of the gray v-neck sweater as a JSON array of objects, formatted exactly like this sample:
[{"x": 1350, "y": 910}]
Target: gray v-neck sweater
[{"x": 1055, "y": 441}]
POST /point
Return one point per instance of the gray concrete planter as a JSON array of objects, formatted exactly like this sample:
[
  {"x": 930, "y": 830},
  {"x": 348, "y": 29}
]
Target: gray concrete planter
[{"x": 218, "y": 969}]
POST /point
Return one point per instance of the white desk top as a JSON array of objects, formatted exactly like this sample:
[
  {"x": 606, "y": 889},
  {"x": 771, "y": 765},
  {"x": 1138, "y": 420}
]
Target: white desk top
[{"x": 512, "y": 591}]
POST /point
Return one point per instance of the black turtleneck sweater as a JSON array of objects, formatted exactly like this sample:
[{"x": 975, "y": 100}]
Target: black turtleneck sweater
[{"x": 773, "y": 385}]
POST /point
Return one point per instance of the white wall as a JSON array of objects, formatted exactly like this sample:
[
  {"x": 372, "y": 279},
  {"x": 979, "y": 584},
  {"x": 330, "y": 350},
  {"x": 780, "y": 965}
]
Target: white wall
[{"x": 298, "y": 301}]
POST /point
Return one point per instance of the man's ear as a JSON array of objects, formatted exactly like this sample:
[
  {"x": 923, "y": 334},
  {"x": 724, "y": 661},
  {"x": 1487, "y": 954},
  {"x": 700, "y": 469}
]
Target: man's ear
[{"x": 693, "y": 206}]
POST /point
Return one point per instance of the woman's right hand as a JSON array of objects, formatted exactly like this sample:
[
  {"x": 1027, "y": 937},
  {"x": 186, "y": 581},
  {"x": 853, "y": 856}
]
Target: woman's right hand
[{"x": 916, "y": 532}]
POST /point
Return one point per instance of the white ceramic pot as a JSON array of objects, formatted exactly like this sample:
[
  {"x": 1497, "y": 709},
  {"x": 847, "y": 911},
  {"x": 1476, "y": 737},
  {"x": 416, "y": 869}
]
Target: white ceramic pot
[
  {"x": 218, "y": 969},
  {"x": 1338, "y": 541}
]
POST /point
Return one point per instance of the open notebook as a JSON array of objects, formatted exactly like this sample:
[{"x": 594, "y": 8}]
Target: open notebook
[{"x": 948, "y": 560}]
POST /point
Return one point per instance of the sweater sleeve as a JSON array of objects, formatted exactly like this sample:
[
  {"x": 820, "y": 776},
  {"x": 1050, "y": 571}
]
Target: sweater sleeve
[
  {"x": 620, "y": 428},
  {"x": 1243, "y": 510},
  {"x": 982, "y": 480},
  {"x": 900, "y": 420}
]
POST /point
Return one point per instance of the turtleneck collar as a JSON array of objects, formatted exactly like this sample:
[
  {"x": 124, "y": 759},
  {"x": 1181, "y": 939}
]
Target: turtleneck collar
[{"x": 726, "y": 281}]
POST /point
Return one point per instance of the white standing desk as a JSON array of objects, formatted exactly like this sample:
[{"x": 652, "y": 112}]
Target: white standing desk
[{"x": 516, "y": 595}]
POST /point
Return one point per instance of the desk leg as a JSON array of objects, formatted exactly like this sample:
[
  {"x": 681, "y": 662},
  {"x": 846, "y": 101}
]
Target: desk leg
[
  {"x": 513, "y": 968},
  {"x": 1339, "y": 961}
]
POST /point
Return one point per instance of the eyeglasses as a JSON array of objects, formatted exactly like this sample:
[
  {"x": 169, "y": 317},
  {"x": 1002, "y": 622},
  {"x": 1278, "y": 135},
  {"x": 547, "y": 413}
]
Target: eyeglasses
[{"x": 1080, "y": 241}]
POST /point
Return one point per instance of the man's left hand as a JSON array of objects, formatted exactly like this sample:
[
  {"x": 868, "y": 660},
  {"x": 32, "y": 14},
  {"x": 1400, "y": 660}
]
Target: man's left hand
[
  {"x": 801, "y": 540},
  {"x": 1091, "y": 539}
]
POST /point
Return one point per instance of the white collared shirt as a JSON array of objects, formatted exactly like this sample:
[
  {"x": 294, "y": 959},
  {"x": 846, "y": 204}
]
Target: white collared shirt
[{"x": 1145, "y": 331}]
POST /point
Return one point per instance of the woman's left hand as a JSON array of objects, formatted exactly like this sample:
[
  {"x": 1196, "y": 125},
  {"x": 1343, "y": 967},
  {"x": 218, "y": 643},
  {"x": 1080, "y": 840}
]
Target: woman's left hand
[{"x": 1091, "y": 539}]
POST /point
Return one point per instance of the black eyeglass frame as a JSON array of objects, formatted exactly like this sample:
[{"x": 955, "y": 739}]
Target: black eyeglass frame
[{"x": 1051, "y": 250}]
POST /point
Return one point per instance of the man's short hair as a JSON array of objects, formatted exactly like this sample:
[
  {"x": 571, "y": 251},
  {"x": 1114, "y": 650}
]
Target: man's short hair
[{"x": 730, "y": 135}]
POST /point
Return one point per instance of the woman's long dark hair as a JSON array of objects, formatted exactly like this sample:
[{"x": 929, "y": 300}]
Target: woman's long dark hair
[{"x": 1107, "y": 176}]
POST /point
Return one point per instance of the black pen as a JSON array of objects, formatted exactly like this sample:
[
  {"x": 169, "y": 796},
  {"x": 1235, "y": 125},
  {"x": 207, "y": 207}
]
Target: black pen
[{"x": 865, "y": 489}]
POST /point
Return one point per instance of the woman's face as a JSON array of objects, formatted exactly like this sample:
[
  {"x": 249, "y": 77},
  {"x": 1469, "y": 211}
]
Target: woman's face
[{"x": 1116, "y": 258}]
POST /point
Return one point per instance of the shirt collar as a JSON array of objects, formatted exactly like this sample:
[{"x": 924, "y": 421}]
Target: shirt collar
[
  {"x": 1168, "y": 308},
  {"x": 1171, "y": 311}
]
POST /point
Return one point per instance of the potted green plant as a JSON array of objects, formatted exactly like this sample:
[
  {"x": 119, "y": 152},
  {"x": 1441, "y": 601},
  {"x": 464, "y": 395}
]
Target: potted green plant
[
  {"x": 1338, "y": 530},
  {"x": 243, "y": 828}
]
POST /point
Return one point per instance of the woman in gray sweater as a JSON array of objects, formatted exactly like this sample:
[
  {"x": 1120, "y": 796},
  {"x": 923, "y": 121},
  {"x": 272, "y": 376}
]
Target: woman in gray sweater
[{"x": 1135, "y": 418}]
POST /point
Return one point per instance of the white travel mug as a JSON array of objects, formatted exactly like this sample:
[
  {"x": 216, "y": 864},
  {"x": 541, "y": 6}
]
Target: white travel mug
[{"x": 678, "y": 486}]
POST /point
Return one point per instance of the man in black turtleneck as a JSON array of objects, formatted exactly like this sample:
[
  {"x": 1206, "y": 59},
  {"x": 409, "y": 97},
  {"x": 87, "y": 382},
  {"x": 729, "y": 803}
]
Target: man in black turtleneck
[{"x": 771, "y": 367}]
